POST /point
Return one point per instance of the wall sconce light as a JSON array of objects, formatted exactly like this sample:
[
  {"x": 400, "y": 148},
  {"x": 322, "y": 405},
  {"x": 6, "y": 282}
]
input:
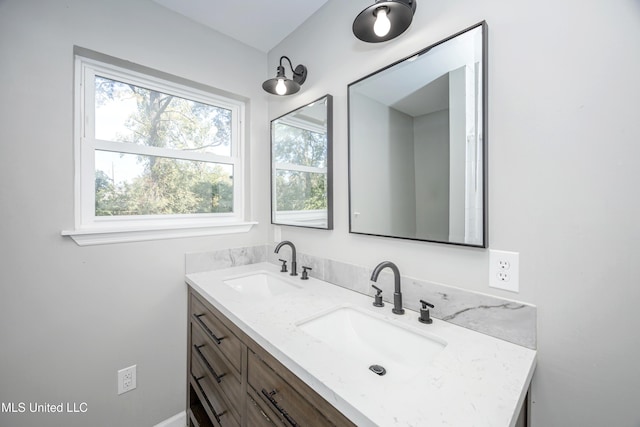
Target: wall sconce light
[
  {"x": 281, "y": 85},
  {"x": 384, "y": 20}
]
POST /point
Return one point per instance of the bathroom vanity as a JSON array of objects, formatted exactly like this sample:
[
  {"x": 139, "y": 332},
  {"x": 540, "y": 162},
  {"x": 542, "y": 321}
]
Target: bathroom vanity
[
  {"x": 269, "y": 349},
  {"x": 233, "y": 381}
]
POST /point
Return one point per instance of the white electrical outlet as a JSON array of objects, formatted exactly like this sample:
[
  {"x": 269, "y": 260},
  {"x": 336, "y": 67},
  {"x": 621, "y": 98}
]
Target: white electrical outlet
[
  {"x": 504, "y": 270},
  {"x": 126, "y": 379}
]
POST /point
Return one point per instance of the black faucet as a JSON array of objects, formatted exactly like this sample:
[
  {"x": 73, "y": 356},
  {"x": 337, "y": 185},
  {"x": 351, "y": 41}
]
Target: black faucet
[
  {"x": 293, "y": 255},
  {"x": 397, "y": 294}
]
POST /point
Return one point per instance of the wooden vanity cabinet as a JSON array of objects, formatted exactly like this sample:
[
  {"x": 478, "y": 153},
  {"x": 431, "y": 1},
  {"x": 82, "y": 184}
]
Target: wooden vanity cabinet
[
  {"x": 232, "y": 381},
  {"x": 214, "y": 363}
]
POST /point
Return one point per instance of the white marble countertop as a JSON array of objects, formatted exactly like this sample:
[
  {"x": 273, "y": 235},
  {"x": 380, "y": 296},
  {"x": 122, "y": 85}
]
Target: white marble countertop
[{"x": 476, "y": 380}]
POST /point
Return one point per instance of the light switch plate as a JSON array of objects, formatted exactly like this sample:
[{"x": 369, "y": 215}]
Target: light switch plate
[{"x": 504, "y": 270}]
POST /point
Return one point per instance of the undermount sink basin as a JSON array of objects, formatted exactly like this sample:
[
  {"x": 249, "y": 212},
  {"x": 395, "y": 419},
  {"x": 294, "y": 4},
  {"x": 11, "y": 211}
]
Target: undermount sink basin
[
  {"x": 260, "y": 284},
  {"x": 374, "y": 341}
]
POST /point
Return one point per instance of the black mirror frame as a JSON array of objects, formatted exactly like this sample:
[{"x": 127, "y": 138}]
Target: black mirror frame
[
  {"x": 485, "y": 138},
  {"x": 329, "y": 106}
]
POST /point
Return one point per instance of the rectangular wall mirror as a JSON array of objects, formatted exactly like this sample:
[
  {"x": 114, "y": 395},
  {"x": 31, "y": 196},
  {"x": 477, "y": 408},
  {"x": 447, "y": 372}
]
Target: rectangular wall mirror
[
  {"x": 417, "y": 145},
  {"x": 301, "y": 166}
]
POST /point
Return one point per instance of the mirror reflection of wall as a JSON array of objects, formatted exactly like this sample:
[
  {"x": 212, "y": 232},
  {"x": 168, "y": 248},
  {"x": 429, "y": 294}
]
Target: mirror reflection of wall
[
  {"x": 416, "y": 145},
  {"x": 301, "y": 178}
]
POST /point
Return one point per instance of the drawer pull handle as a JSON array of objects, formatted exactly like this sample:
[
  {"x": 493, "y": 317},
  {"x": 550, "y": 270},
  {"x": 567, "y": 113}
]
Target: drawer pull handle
[
  {"x": 217, "y": 377},
  {"x": 259, "y": 409},
  {"x": 269, "y": 396},
  {"x": 215, "y": 414},
  {"x": 206, "y": 328}
]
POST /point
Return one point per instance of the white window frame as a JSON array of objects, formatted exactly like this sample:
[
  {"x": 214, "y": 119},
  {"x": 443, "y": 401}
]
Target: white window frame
[{"x": 92, "y": 229}]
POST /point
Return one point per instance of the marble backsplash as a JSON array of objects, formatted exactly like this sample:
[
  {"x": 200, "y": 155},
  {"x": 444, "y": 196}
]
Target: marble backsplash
[
  {"x": 225, "y": 258},
  {"x": 508, "y": 320}
]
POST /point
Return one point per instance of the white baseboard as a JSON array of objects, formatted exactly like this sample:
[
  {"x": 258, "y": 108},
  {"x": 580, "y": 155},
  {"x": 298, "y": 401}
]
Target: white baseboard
[{"x": 178, "y": 420}]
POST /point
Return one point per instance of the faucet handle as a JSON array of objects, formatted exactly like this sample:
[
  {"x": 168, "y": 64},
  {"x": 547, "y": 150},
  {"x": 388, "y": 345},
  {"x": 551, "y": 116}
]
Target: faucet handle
[
  {"x": 283, "y": 269},
  {"x": 305, "y": 274},
  {"x": 378, "y": 297},
  {"x": 424, "y": 312},
  {"x": 425, "y": 304}
]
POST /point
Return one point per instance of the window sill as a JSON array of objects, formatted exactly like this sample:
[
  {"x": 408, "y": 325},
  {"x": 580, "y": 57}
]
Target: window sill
[{"x": 105, "y": 236}]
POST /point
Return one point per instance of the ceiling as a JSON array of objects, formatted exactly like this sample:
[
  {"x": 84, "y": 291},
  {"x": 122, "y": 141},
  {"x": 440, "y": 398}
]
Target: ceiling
[{"x": 261, "y": 24}]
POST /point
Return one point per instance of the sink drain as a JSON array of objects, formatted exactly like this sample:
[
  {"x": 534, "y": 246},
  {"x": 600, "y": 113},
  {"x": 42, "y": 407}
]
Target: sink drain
[{"x": 377, "y": 369}]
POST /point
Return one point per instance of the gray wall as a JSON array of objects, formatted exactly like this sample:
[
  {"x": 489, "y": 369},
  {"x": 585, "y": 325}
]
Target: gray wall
[
  {"x": 563, "y": 150},
  {"x": 375, "y": 161},
  {"x": 431, "y": 164},
  {"x": 71, "y": 316},
  {"x": 457, "y": 153},
  {"x": 402, "y": 179}
]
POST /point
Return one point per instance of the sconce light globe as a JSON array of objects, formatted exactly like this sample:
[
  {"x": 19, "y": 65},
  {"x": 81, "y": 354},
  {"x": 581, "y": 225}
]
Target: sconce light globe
[
  {"x": 382, "y": 25},
  {"x": 281, "y": 88}
]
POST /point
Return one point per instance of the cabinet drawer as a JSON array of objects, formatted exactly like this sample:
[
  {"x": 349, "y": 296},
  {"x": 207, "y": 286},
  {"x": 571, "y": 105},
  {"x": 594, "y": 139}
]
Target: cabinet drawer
[
  {"x": 213, "y": 401},
  {"x": 281, "y": 397},
  {"x": 221, "y": 374},
  {"x": 259, "y": 417},
  {"x": 220, "y": 335}
]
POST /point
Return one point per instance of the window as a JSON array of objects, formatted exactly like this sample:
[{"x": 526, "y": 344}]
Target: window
[
  {"x": 300, "y": 172},
  {"x": 152, "y": 154}
]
